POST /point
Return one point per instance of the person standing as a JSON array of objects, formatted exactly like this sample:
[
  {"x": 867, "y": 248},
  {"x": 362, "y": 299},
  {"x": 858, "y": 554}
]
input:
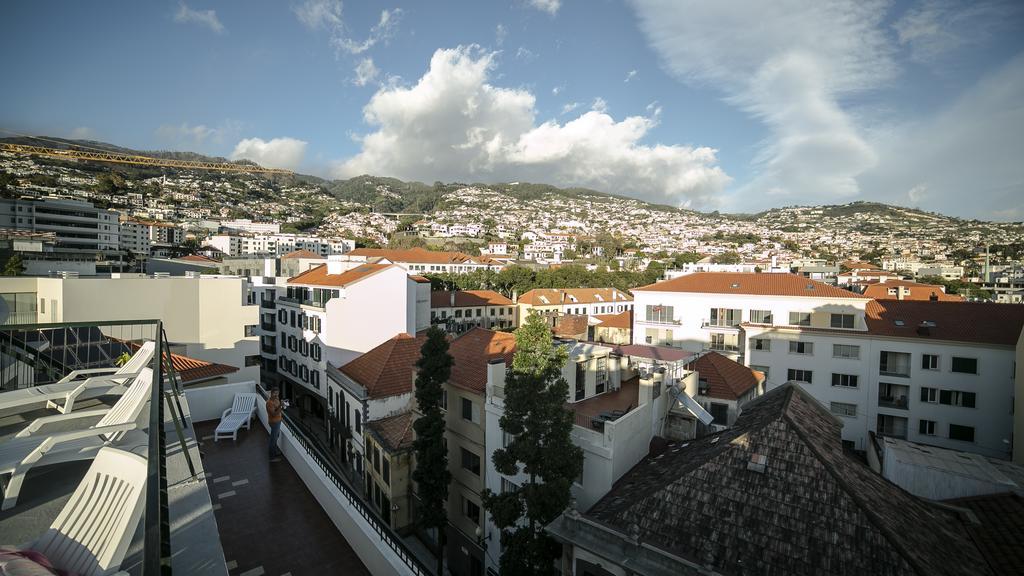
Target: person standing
[{"x": 275, "y": 413}]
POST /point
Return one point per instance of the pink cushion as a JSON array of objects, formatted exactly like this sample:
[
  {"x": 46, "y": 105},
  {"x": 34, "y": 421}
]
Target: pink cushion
[{"x": 15, "y": 562}]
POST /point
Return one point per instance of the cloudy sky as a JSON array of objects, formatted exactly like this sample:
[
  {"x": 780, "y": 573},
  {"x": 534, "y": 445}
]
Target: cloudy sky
[{"x": 733, "y": 105}]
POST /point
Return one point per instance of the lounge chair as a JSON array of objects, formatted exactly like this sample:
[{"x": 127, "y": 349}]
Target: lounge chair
[
  {"x": 32, "y": 447},
  {"x": 94, "y": 529},
  {"x": 61, "y": 395},
  {"x": 240, "y": 414}
]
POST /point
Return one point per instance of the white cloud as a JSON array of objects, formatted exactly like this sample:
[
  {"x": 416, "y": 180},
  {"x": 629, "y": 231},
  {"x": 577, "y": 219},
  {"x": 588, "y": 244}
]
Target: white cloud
[
  {"x": 380, "y": 32},
  {"x": 917, "y": 194},
  {"x": 327, "y": 15},
  {"x": 599, "y": 105},
  {"x": 630, "y": 75},
  {"x": 276, "y": 153},
  {"x": 500, "y": 33},
  {"x": 453, "y": 125},
  {"x": 197, "y": 134},
  {"x": 556, "y": 90},
  {"x": 206, "y": 18},
  {"x": 932, "y": 29},
  {"x": 319, "y": 14},
  {"x": 366, "y": 72},
  {"x": 82, "y": 133},
  {"x": 790, "y": 66},
  {"x": 549, "y": 6},
  {"x": 525, "y": 54},
  {"x": 569, "y": 107}
]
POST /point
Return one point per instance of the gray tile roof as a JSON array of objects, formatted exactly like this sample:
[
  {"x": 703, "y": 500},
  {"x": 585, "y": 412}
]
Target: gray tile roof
[{"x": 813, "y": 510}]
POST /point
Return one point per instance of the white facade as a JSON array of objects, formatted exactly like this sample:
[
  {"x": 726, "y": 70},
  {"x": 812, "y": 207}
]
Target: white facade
[
  {"x": 77, "y": 225},
  {"x": 247, "y": 225},
  {"x": 244, "y": 245}
]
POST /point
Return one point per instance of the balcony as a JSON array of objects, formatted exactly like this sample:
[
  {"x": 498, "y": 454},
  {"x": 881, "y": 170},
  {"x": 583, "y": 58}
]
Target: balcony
[
  {"x": 719, "y": 347},
  {"x": 270, "y": 326},
  {"x": 268, "y": 303},
  {"x": 269, "y": 349},
  {"x": 593, "y": 412},
  {"x": 719, "y": 325},
  {"x": 898, "y": 402},
  {"x": 300, "y": 302},
  {"x": 891, "y": 426}
]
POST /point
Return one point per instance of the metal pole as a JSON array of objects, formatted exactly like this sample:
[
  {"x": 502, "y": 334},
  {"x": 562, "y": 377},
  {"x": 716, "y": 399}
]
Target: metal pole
[{"x": 156, "y": 553}]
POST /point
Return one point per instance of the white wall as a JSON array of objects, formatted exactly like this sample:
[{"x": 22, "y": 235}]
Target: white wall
[{"x": 209, "y": 402}]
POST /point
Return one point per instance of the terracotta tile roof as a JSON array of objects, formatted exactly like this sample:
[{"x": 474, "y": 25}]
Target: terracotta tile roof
[
  {"x": 727, "y": 380},
  {"x": 571, "y": 326},
  {"x": 192, "y": 370},
  {"x": 302, "y": 254},
  {"x": 811, "y": 509},
  {"x": 198, "y": 258},
  {"x": 623, "y": 319},
  {"x": 868, "y": 274},
  {"x": 980, "y": 322},
  {"x": 858, "y": 265},
  {"x": 443, "y": 298},
  {"x": 395, "y": 433},
  {"x": 759, "y": 284},
  {"x": 388, "y": 369},
  {"x": 318, "y": 276},
  {"x": 999, "y": 533},
  {"x": 472, "y": 351},
  {"x": 553, "y": 296},
  {"x": 417, "y": 255},
  {"x": 420, "y": 279},
  {"x": 917, "y": 291}
]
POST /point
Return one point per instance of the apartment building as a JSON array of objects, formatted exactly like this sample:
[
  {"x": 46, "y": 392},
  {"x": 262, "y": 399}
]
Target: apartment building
[
  {"x": 86, "y": 238},
  {"x": 247, "y": 225},
  {"x": 933, "y": 372},
  {"x": 704, "y": 310},
  {"x": 248, "y": 244},
  {"x": 213, "y": 318},
  {"x": 460, "y": 310},
  {"x": 138, "y": 236},
  {"x": 325, "y": 317},
  {"x": 568, "y": 301},
  {"x": 421, "y": 260},
  {"x": 908, "y": 290}
]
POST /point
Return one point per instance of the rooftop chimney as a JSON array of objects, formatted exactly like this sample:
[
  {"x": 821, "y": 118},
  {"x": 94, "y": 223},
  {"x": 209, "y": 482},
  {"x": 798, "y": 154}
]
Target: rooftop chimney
[
  {"x": 451, "y": 298},
  {"x": 334, "y": 264}
]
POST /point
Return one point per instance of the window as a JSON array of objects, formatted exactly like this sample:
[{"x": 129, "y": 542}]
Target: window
[
  {"x": 444, "y": 399},
  {"x": 471, "y": 510},
  {"x": 799, "y": 318},
  {"x": 385, "y": 470},
  {"x": 253, "y": 360},
  {"x": 492, "y": 312},
  {"x": 659, "y": 313},
  {"x": 842, "y": 321},
  {"x": 720, "y": 412},
  {"x": 894, "y": 363},
  {"x": 470, "y": 462},
  {"x": 601, "y": 378},
  {"x": 843, "y": 409},
  {"x": 929, "y": 394},
  {"x": 467, "y": 410},
  {"x": 358, "y": 421},
  {"x": 761, "y": 316},
  {"x": 965, "y": 365},
  {"x": 964, "y": 433},
  {"x": 957, "y": 398},
  {"x": 762, "y": 344},
  {"x": 929, "y": 362},
  {"x": 725, "y": 316},
  {"x": 846, "y": 351},
  {"x": 580, "y": 385},
  {"x": 458, "y": 313},
  {"x": 844, "y": 380},
  {"x": 376, "y": 457},
  {"x": 926, "y": 427},
  {"x": 799, "y": 375},
  {"x": 507, "y": 486},
  {"x": 801, "y": 348}
]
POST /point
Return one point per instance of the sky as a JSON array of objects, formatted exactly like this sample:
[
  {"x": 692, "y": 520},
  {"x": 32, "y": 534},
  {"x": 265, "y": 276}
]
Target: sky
[{"x": 733, "y": 105}]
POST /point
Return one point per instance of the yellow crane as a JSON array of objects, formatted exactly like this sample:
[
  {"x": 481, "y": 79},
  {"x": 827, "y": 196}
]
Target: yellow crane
[{"x": 100, "y": 155}]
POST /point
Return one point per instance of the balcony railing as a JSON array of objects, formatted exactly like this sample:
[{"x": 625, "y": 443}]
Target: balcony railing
[
  {"x": 267, "y": 303},
  {"x": 719, "y": 324},
  {"x": 899, "y": 402},
  {"x": 37, "y": 354},
  {"x": 722, "y": 347},
  {"x": 268, "y": 326},
  {"x": 300, "y": 301},
  {"x": 269, "y": 348}
]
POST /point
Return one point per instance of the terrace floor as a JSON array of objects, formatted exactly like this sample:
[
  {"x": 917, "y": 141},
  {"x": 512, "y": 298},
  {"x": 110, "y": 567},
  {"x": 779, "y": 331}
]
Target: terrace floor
[
  {"x": 268, "y": 520},
  {"x": 625, "y": 399}
]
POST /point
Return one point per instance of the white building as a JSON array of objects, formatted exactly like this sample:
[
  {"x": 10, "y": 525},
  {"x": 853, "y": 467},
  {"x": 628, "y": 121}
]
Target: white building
[
  {"x": 246, "y": 225},
  {"x": 250, "y": 244},
  {"x": 421, "y": 260},
  {"x": 77, "y": 225}
]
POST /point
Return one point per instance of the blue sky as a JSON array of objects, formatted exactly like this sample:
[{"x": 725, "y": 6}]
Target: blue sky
[{"x": 737, "y": 106}]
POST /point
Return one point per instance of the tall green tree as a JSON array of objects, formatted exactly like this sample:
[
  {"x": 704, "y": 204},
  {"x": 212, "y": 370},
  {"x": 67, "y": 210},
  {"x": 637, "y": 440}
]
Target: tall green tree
[
  {"x": 541, "y": 447},
  {"x": 14, "y": 266},
  {"x": 431, "y": 473}
]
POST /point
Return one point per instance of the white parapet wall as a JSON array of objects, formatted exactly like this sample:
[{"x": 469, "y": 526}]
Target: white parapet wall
[{"x": 209, "y": 402}]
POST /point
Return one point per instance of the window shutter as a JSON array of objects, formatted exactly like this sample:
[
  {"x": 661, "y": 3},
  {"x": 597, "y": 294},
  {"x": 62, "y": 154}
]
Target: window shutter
[{"x": 924, "y": 394}]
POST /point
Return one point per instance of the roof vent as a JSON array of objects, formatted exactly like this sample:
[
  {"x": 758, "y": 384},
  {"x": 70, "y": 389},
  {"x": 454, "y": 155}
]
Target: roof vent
[
  {"x": 735, "y": 284},
  {"x": 928, "y": 324},
  {"x": 758, "y": 463},
  {"x": 898, "y": 322},
  {"x": 810, "y": 286}
]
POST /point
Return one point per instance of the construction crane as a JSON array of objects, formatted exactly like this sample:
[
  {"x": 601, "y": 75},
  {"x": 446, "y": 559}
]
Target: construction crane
[{"x": 100, "y": 155}]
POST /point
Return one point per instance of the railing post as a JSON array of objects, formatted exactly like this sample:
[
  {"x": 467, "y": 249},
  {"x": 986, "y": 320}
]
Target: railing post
[{"x": 157, "y": 550}]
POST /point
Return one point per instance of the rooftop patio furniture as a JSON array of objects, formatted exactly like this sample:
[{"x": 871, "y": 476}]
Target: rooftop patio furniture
[{"x": 240, "y": 414}]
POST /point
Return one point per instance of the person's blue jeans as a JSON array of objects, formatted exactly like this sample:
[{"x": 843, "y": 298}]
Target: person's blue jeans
[{"x": 275, "y": 432}]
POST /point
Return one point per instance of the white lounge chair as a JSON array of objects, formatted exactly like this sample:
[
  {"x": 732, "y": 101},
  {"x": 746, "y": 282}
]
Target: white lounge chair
[
  {"x": 240, "y": 414},
  {"x": 30, "y": 447},
  {"x": 94, "y": 529},
  {"x": 61, "y": 395}
]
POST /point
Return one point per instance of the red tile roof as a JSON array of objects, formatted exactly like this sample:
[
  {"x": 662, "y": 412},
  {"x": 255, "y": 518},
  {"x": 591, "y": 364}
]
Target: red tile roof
[
  {"x": 302, "y": 254},
  {"x": 571, "y": 326},
  {"x": 623, "y": 319},
  {"x": 553, "y": 296},
  {"x": 917, "y": 291},
  {"x": 471, "y": 353},
  {"x": 395, "y": 433},
  {"x": 420, "y": 279},
  {"x": 319, "y": 277},
  {"x": 980, "y": 322},
  {"x": 759, "y": 284},
  {"x": 388, "y": 369},
  {"x": 664, "y": 353},
  {"x": 192, "y": 370},
  {"x": 859, "y": 265},
  {"x": 727, "y": 380},
  {"x": 443, "y": 298}
]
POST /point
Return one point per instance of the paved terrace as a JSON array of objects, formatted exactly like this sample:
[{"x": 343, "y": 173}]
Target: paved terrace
[
  {"x": 624, "y": 399},
  {"x": 269, "y": 522}
]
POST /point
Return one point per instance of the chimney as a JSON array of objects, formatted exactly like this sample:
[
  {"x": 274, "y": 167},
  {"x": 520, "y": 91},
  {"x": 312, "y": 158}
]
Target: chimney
[
  {"x": 899, "y": 292},
  {"x": 334, "y": 265},
  {"x": 451, "y": 298}
]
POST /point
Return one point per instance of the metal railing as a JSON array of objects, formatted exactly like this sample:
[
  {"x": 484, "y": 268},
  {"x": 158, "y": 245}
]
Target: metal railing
[
  {"x": 899, "y": 402},
  {"x": 38, "y": 354},
  {"x": 320, "y": 455}
]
